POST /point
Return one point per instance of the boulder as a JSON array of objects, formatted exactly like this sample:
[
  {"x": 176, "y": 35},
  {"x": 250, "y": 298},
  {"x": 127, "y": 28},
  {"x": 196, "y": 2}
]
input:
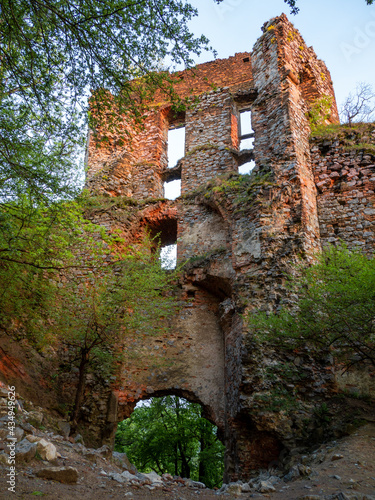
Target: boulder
[
  {"x": 234, "y": 489},
  {"x": 117, "y": 477},
  {"x": 265, "y": 487},
  {"x": 4, "y": 392},
  {"x": 35, "y": 418},
  {"x": 25, "y": 451},
  {"x": 246, "y": 488},
  {"x": 127, "y": 476},
  {"x": 78, "y": 439},
  {"x": 33, "y": 439},
  {"x": 105, "y": 451},
  {"x": 122, "y": 461},
  {"x": 194, "y": 484},
  {"x": 64, "y": 428},
  {"x": 67, "y": 475},
  {"x": 19, "y": 433},
  {"x": 27, "y": 427},
  {"x": 150, "y": 477},
  {"x": 46, "y": 450},
  {"x": 292, "y": 474},
  {"x": 304, "y": 470}
]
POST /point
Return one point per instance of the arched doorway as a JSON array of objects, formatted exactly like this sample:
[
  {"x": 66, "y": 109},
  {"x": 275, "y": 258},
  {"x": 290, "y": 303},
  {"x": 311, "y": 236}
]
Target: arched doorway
[{"x": 171, "y": 435}]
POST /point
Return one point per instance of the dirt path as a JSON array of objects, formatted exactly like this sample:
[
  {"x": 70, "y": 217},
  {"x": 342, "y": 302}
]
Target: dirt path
[{"x": 344, "y": 470}]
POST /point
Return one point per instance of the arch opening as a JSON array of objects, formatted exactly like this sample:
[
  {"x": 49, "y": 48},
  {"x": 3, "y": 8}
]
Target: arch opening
[{"x": 169, "y": 434}]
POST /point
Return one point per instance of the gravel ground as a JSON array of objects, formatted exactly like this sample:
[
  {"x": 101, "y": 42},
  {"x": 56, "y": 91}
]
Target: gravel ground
[{"x": 342, "y": 470}]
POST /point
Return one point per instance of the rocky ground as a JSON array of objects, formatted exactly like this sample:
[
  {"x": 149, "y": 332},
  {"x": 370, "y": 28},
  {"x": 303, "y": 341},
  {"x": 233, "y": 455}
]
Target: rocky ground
[{"x": 51, "y": 465}]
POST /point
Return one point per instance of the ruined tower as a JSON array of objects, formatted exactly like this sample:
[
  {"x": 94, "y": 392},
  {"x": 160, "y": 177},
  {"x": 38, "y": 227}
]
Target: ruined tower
[{"x": 242, "y": 231}]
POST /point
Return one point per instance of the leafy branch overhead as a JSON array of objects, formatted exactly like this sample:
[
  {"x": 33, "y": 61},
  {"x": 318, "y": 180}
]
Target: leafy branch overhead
[
  {"x": 70, "y": 285},
  {"x": 52, "y": 54}
]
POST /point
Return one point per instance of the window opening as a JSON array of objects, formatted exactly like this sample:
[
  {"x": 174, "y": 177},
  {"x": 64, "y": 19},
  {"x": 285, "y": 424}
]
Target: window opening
[
  {"x": 176, "y": 145},
  {"x": 168, "y": 256},
  {"x": 246, "y": 131},
  {"x": 246, "y": 168},
  {"x": 170, "y": 435},
  {"x": 172, "y": 189}
]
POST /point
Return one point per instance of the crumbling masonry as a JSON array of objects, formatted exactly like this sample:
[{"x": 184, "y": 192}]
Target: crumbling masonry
[{"x": 243, "y": 232}]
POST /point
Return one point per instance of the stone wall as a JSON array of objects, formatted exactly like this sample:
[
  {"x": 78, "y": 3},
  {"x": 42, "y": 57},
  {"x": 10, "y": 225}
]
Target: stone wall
[
  {"x": 345, "y": 179},
  {"x": 137, "y": 169}
]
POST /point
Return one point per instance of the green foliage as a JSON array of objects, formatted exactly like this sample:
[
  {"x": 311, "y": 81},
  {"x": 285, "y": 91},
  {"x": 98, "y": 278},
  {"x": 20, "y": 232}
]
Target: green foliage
[
  {"x": 363, "y": 146},
  {"x": 113, "y": 304},
  {"x": 357, "y": 136},
  {"x": 65, "y": 281},
  {"x": 36, "y": 242},
  {"x": 53, "y": 54},
  {"x": 243, "y": 189},
  {"x": 334, "y": 309},
  {"x": 331, "y": 131},
  {"x": 320, "y": 111},
  {"x": 169, "y": 435},
  {"x": 357, "y": 132}
]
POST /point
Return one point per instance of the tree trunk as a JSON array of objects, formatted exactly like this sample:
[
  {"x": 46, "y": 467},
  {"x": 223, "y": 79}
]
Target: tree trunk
[
  {"x": 80, "y": 390},
  {"x": 202, "y": 465},
  {"x": 185, "y": 467},
  {"x": 176, "y": 460}
]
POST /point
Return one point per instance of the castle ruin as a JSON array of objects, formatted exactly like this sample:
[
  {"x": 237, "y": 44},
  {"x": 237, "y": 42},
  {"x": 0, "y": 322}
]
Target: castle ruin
[{"x": 241, "y": 232}]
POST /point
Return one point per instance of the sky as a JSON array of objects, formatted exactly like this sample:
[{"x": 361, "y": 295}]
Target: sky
[{"x": 342, "y": 33}]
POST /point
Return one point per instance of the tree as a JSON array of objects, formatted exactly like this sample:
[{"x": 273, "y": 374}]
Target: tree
[
  {"x": 68, "y": 283},
  {"x": 169, "y": 434},
  {"x": 334, "y": 309},
  {"x": 36, "y": 242},
  {"x": 359, "y": 106},
  {"x": 52, "y": 54},
  {"x": 98, "y": 314}
]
